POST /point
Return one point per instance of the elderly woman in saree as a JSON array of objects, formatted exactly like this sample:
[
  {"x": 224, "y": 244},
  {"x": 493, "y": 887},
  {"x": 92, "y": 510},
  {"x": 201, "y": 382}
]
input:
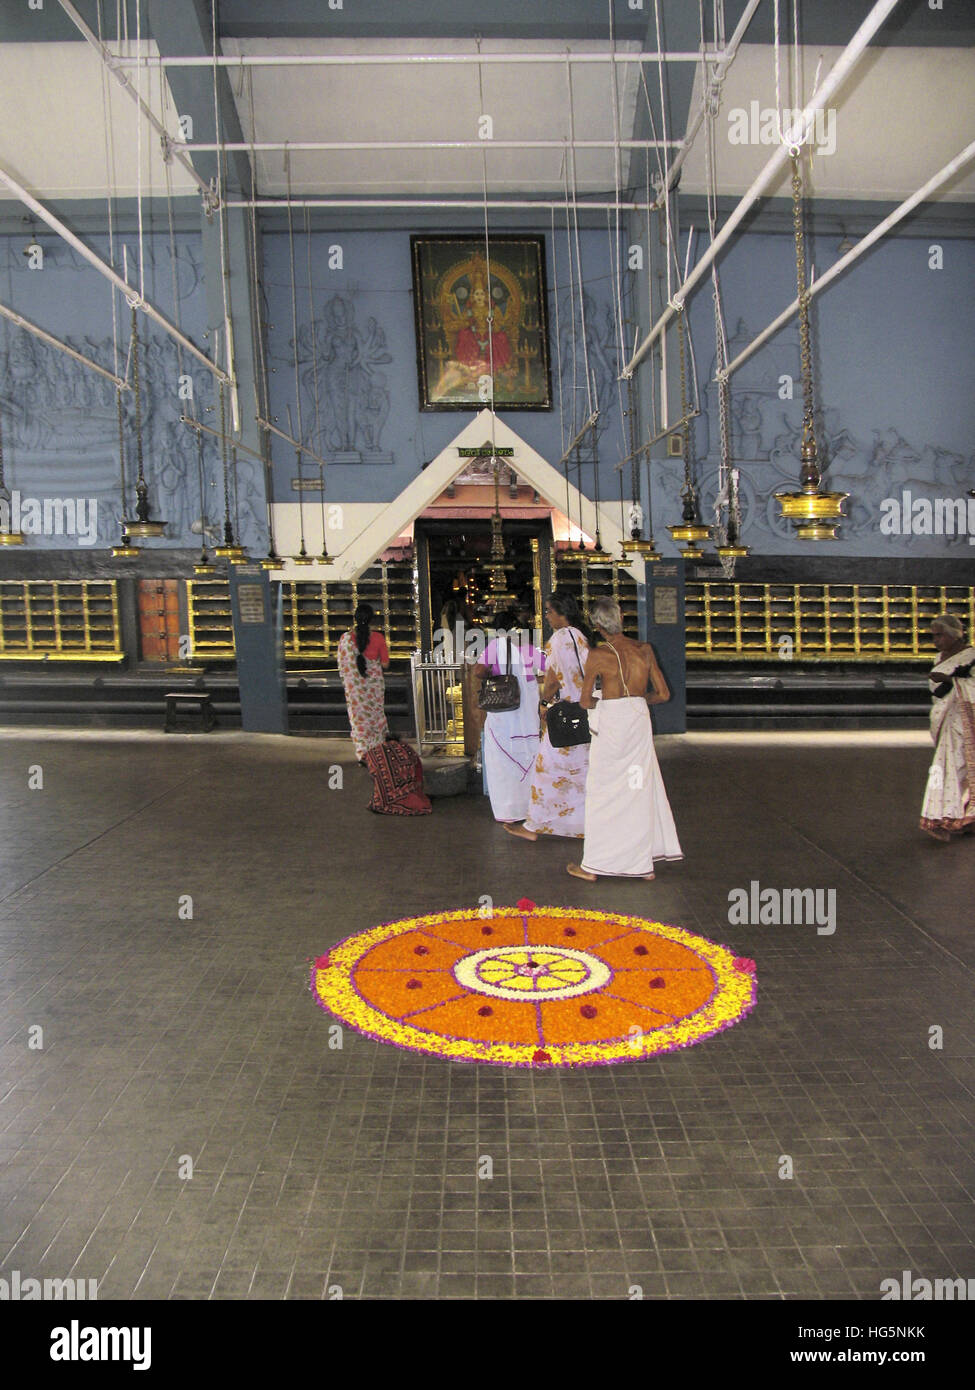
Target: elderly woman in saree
[
  {"x": 362, "y": 658},
  {"x": 949, "y": 801},
  {"x": 557, "y": 796},
  {"x": 511, "y": 736}
]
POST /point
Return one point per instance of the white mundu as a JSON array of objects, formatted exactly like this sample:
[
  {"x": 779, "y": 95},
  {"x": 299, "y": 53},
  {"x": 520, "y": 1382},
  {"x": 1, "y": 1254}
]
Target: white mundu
[{"x": 629, "y": 822}]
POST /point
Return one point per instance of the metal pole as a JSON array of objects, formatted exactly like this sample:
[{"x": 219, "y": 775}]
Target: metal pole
[
  {"x": 114, "y": 66},
  {"x": 265, "y": 146},
  {"x": 856, "y": 251},
  {"x": 585, "y": 429},
  {"x": 304, "y": 60},
  {"x": 439, "y": 205},
  {"x": 104, "y": 269},
  {"x": 290, "y": 439},
  {"x": 841, "y": 69},
  {"x": 208, "y": 429},
  {"x": 21, "y": 322},
  {"x": 719, "y": 75}
]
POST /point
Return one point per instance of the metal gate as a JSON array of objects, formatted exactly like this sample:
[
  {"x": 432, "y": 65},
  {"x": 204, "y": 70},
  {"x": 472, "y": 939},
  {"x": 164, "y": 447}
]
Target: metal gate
[{"x": 438, "y": 704}]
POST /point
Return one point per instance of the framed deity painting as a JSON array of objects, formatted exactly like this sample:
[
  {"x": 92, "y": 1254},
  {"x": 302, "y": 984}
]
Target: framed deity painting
[{"x": 481, "y": 325}]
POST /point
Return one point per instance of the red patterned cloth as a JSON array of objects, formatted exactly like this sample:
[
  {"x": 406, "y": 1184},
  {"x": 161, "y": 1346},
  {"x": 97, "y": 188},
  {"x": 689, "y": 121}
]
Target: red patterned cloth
[{"x": 397, "y": 775}]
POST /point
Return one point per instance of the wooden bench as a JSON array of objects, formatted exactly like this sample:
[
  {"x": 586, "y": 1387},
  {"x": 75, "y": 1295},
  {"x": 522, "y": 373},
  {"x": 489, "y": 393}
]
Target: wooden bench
[{"x": 183, "y": 704}]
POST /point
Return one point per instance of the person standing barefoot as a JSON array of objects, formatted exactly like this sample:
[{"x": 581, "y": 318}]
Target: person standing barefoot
[{"x": 628, "y": 820}]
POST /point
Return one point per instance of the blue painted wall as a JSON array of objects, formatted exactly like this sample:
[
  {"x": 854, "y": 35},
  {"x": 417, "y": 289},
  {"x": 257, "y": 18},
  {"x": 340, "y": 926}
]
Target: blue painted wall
[
  {"x": 894, "y": 388},
  {"x": 895, "y": 382},
  {"x": 60, "y": 432},
  {"x": 367, "y": 307}
]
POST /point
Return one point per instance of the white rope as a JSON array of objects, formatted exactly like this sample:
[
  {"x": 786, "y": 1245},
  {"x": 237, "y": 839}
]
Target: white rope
[
  {"x": 487, "y": 261},
  {"x": 110, "y": 181},
  {"x": 219, "y": 178},
  {"x": 575, "y": 216},
  {"x": 572, "y": 296},
  {"x": 138, "y": 84},
  {"x": 558, "y": 334},
  {"x": 616, "y": 188}
]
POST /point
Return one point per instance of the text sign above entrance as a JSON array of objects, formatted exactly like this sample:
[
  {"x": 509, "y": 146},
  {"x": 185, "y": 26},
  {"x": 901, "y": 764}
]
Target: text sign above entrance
[{"x": 486, "y": 451}]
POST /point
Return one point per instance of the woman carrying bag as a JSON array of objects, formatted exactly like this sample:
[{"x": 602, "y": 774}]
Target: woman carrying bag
[
  {"x": 510, "y": 731},
  {"x": 557, "y": 795}
]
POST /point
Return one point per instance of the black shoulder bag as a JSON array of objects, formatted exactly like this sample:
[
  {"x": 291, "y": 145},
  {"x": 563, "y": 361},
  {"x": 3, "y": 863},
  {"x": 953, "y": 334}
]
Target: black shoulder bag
[
  {"x": 498, "y": 694},
  {"x": 567, "y": 722}
]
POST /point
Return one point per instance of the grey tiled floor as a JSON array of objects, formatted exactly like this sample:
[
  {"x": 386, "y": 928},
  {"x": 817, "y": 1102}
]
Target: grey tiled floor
[{"x": 319, "y": 1170}]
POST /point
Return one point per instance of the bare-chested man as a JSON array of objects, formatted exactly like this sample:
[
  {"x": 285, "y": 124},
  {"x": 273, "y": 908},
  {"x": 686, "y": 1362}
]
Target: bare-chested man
[{"x": 628, "y": 817}]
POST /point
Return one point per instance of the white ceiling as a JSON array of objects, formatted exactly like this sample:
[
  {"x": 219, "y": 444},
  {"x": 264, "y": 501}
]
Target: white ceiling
[
  {"x": 433, "y": 102},
  {"x": 53, "y": 134},
  {"x": 904, "y": 114},
  {"x": 900, "y": 117}
]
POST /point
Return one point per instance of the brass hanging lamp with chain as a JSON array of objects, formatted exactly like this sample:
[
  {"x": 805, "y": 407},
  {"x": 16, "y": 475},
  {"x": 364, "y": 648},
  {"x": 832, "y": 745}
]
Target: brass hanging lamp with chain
[
  {"x": 125, "y": 550},
  {"x": 814, "y": 512},
  {"x": 499, "y": 596},
  {"x": 8, "y": 536},
  {"x": 143, "y": 525},
  {"x": 732, "y": 548},
  {"x": 229, "y": 549},
  {"x": 690, "y": 529},
  {"x": 635, "y": 544}
]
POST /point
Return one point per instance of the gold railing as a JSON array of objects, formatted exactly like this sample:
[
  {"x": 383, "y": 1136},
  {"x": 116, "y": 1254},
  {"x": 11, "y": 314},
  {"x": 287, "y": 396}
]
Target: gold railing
[
  {"x": 59, "y": 620},
  {"x": 589, "y": 582},
  {"x": 315, "y": 614},
  {"x": 819, "y": 622}
]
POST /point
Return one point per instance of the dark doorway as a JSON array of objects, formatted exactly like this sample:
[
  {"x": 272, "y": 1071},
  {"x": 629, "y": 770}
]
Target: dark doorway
[{"x": 454, "y": 584}]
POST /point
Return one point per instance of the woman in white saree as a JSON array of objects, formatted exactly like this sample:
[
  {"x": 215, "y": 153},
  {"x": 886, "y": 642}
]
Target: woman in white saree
[
  {"x": 949, "y": 800},
  {"x": 511, "y": 736}
]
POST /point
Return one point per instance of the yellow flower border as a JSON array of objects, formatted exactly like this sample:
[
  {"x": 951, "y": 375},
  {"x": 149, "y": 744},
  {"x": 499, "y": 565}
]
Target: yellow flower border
[{"x": 733, "y": 998}]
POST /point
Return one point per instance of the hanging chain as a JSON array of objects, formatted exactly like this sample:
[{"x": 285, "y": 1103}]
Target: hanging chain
[
  {"x": 686, "y": 432},
  {"x": 2, "y": 483},
  {"x": 810, "y": 476},
  {"x": 228, "y": 530},
  {"x": 121, "y": 451},
  {"x": 137, "y": 388}
]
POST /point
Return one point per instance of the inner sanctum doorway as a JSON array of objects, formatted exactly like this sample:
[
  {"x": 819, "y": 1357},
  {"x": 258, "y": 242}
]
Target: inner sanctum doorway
[{"x": 453, "y": 581}]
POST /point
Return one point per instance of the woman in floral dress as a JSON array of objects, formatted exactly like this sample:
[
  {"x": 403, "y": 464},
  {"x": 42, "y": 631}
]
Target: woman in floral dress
[
  {"x": 557, "y": 798},
  {"x": 362, "y": 657}
]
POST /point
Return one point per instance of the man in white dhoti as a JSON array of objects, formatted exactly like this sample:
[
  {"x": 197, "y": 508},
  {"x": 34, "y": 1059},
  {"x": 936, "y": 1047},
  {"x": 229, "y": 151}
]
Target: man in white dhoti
[
  {"x": 628, "y": 820},
  {"x": 949, "y": 800}
]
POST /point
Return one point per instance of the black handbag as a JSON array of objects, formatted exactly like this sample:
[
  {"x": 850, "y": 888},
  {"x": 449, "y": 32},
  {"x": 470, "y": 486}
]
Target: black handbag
[
  {"x": 498, "y": 694},
  {"x": 567, "y": 722}
]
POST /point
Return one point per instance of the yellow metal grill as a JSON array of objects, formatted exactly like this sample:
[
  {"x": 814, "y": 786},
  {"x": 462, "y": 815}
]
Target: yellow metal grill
[
  {"x": 819, "y": 622},
  {"x": 59, "y": 620},
  {"x": 315, "y": 614}
]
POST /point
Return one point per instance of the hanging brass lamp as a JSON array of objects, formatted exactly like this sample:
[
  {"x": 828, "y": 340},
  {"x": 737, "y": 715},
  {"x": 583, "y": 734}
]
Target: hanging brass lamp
[
  {"x": 8, "y": 536},
  {"x": 203, "y": 567},
  {"x": 814, "y": 512},
  {"x": 229, "y": 549},
  {"x": 690, "y": 529},
  {"x": 143, "y": 525},
  {"x": 124, "y": 550},
  {"x": 635, "y": 543}
]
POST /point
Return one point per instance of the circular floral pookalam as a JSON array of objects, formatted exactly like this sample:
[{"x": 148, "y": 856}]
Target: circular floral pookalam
[{"x": 534, "y": 986}]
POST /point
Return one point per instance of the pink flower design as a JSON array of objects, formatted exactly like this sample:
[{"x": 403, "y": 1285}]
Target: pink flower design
[
  {"x": 541, "y": 1056},
  {"x": 525, "y": 905},
  {"x": 744, "y": 964},
  {"x": 321, "y": 962}
]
